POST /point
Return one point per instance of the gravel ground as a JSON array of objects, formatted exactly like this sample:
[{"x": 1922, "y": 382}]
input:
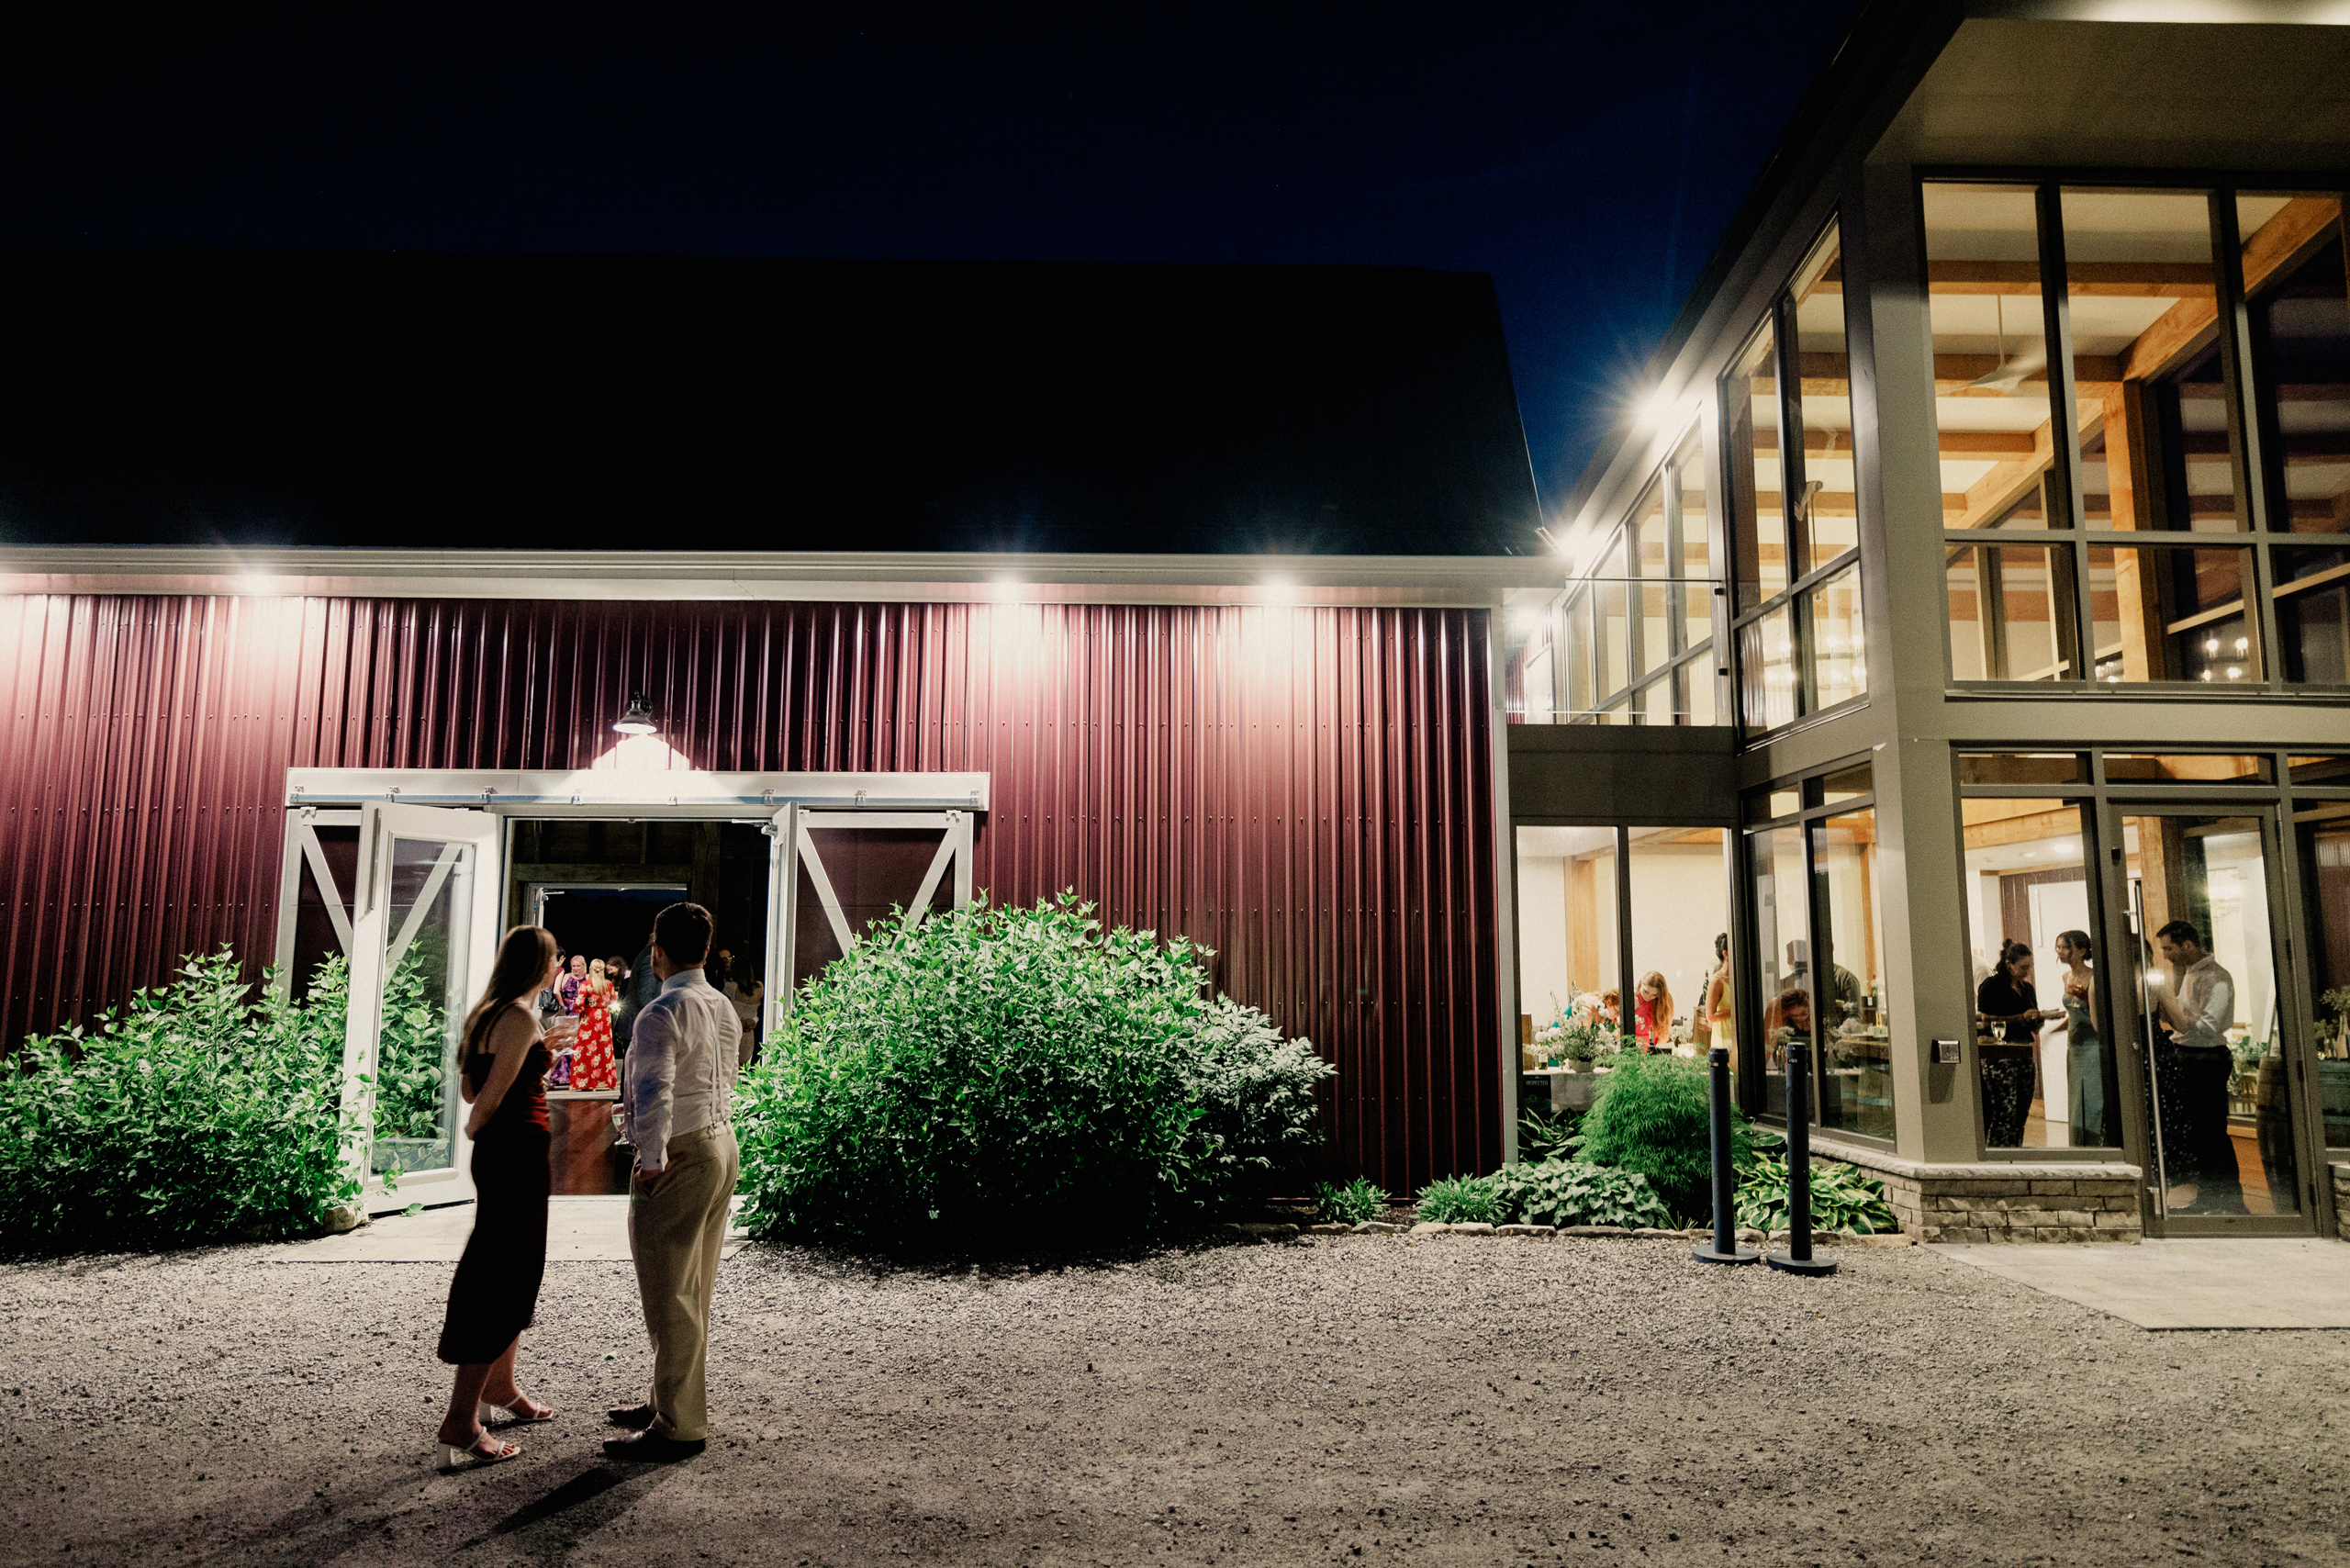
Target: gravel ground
[{"x": 1442, "y": 1400}]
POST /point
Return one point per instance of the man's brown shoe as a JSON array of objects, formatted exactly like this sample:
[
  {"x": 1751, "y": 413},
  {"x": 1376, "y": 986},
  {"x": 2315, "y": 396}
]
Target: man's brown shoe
[
  {"x": 636, "y": 1418},
  {"x": 650, "y": 1447}
]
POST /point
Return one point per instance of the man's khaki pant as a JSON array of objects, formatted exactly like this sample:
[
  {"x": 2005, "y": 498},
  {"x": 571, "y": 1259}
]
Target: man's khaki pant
[{"x": 675, "y": 1223}]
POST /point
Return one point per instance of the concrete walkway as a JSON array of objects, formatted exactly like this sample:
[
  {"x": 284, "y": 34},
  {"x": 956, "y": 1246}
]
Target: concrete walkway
[
  {"x": 579, "y": 1230},
  {"x": 2290, "y": 1283}
]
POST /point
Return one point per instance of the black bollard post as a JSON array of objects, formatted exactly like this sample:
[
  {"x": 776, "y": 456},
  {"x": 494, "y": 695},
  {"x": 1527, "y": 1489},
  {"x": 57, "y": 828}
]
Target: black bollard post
[
  {"x": 1724, "y": 1249},
  {"x": 1798, "y": 1258}
]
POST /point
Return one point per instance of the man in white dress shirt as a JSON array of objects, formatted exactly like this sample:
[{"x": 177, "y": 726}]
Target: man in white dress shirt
[
  {"x": 2198, "y": 1011},
  {"x": 679, "y": 1104}
]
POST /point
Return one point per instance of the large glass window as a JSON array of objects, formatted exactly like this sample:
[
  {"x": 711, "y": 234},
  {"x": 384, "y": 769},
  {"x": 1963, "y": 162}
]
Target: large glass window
[
  {"x": 1819, "y": 398},
  {"x": 1766, "y": 664},
  {"x": 2300, "y": 321},
  {"x": 2324, "y": 834},
  {"x": 1566, "y": 920},
  {"x": 1812, "y": 878},
  {"x": 1794, "y": 520},
  {"x": 2098, "y": 451},
  {"x": 2208, "y": 1020},
  {"x": 1574, "y": 957},
  {"x": 1839, "y": 656},
  {"x": 2043, "y": 1057},
  {"x": 1751, "y": 434},
  {"x": 1680, "y": 905},
  {"x": 1856, "y": 1079},
  {"x": 1632, "y": 639},
  {"x": 1990, "y": 340}
]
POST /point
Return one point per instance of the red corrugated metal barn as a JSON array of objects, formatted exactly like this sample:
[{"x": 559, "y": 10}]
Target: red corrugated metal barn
[
  {"x": 1193, "y": 563},
  {"x": 1308, "y": 791}
]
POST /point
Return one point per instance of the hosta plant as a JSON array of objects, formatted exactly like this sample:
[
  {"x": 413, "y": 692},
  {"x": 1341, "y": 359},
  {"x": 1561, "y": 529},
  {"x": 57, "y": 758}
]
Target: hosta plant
[
  {"x": 1561, "y": 1192},
  {"x": 1462, "y": 1200},
  {"x": 1842, "y": 1198},
  {"x": 1349, "y": 1202}
]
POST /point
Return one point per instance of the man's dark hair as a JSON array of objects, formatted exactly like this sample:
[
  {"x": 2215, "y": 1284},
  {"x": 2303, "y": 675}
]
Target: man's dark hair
[
  {"x": 2179, "y": 931},
  {"x": 683, "y": 930}
]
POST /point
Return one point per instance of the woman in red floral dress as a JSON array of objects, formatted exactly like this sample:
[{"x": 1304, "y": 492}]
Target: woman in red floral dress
[{"x": 591, "y": 1065}]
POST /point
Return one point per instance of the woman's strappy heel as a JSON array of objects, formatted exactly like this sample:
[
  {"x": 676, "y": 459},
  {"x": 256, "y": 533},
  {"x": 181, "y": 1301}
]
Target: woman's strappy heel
[{"x": 471, "y": 1457}]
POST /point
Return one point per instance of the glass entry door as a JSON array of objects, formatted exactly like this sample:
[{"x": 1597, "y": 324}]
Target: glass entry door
[
  {"x": 2223, "y": 1068},
  {"x": 424, "y": 934}
]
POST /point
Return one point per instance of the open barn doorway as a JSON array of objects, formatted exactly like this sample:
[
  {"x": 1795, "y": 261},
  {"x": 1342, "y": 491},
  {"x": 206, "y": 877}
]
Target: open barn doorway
[
  {"x": 597, "y": 884},
  {"x": 397, "y": 870}
]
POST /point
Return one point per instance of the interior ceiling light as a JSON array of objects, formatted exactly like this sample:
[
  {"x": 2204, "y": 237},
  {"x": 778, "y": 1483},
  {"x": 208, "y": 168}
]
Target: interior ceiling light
[
  {"x": 2006, "y": 376},
  {"x": 638, "y": 720}
]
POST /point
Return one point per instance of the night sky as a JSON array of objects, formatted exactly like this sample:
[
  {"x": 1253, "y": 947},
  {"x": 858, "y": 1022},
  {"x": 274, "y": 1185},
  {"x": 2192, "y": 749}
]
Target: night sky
[{"x": 1588, "y": 157}]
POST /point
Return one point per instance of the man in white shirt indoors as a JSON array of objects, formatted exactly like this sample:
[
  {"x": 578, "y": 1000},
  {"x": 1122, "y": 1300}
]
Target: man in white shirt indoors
[
  {"x": 2198, "y": 1010},
  {"x": 680, "y": 1100}
]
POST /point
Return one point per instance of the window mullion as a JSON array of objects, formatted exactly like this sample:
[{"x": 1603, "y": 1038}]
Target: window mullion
[
  {"x": 1624, "y": 989},
  {"x": 1790, "y": 410},
  {"x": 2248, "y": 453},
  {"x": 2064, "y": 414}
]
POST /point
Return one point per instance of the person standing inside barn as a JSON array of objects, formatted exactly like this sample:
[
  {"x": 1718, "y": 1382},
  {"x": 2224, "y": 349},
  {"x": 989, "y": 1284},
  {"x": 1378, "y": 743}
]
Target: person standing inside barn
[{"x": 679, "y": 1108}]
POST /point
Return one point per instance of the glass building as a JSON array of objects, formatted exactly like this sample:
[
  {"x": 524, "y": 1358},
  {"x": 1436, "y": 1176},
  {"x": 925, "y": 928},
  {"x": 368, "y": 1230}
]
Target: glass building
[{"x": 1954, "y": 635}]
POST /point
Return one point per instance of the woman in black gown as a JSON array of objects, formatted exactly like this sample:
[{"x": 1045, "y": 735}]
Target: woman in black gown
[
  {"x": 2008, "y": 1017},
  {"x": 496, "y": 1292}
]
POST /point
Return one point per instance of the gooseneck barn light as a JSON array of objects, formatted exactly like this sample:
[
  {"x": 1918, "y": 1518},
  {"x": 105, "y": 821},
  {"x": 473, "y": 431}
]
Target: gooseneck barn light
[{"x": 638, "y": 720}]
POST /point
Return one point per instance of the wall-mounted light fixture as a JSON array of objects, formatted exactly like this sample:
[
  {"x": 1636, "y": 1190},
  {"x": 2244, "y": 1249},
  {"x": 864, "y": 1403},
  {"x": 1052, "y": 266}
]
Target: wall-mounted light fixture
[{"x": 638, "y": 720}]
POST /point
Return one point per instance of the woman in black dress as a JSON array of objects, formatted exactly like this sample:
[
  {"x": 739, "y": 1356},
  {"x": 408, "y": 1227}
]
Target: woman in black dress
[
  {"x": 2008, "y": 1014},
  {"x": 495, "y": 1292}
]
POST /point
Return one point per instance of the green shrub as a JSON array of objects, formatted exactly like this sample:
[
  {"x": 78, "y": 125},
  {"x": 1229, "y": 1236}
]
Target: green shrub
[
  {"x": 1352, "y": 1203},
  {"x": 1561, "y": 1192},
  {"x": 1259, "y": 1124},
  {"x": 996, "y": 1070},
  {"x": 198, "y": 1112},
  {"x": 1462, "y": 1200},
  {"x": 1842, "y": 1198},
  {"x": 1653, "y": 1115},
  {"x": 412, "y": 1044}
]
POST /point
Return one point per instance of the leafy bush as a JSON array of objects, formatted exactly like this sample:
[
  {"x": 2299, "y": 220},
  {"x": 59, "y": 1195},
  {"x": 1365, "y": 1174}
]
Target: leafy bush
[
  {"x": 1652, "y": 1115},
  {"x": 1842, "y": 1198},
  {"x": 1349, "y": 1204},
  {"x": 1260, "y": 1123},
  {"x": 993, "y": 1067},
  {"x": 198, "y": 1112},
  {"x": 1561, "y": 1192},
  {"x": 412, "y": 1045},
  {"x": 1462, "y": 1200}
]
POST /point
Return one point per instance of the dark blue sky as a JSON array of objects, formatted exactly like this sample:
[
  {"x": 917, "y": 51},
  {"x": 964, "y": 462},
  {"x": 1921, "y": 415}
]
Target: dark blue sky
[{"x": 1588, "y": 157}]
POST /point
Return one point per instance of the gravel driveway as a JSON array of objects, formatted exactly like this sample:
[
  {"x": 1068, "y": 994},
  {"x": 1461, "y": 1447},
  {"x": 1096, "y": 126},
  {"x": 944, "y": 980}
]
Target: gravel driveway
[{"x": 1441, "y": 1400}]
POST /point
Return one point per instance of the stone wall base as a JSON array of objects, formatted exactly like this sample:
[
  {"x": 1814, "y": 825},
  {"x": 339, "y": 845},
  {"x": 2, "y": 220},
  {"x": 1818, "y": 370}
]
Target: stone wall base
[
  {"x": 2003, "y": 1203},
  {"x": 2341, "y": 1201}
]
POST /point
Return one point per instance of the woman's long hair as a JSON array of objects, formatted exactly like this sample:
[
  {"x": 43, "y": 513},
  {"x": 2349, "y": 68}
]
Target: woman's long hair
[
  {"x": 1661, "y": 1010},
  {"x": 2008, "y": 953},
  {"x": 524, "y": 956}
]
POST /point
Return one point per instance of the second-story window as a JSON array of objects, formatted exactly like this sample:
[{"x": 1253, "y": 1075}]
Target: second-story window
[
  {"x": 1794, "y": 520},
  {"x": 2147, "y": 470},
  {"x": 1632, "y": 639}
]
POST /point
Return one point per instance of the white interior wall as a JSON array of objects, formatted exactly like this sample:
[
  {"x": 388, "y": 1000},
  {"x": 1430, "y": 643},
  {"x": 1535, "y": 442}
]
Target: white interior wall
[
  {"x": 1679, "y": 904},
  {"x": 1542, "y": 975}
]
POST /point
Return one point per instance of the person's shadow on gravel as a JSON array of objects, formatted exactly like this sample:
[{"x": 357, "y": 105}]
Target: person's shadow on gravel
[
  {"x": 600, "y": 1494},
  {"x": 576, "y": 1493}
]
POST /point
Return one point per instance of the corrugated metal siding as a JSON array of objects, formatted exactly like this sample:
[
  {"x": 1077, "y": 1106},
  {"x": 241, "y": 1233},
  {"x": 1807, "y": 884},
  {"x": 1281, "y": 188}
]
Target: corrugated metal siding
[{"x": 1306, "y": 791}]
